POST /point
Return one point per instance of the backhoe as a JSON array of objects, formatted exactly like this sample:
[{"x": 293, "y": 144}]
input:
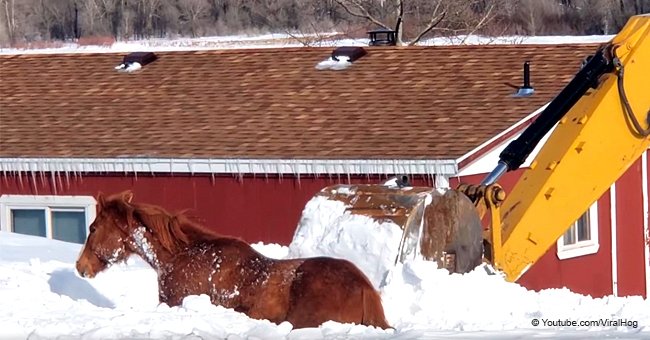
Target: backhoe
[{"x": 598, "y": 126}]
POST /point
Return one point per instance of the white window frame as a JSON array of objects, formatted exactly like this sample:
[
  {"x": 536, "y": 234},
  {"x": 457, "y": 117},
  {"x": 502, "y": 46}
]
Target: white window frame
[
  {"x": 581, "y": 248},
  {"x": 48, "y": 203}
]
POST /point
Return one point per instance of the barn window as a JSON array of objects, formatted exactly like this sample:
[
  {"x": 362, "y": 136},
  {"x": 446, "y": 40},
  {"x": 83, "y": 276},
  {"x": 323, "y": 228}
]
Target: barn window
[
  {"x": 64, "y": 218},
  {"x": 582, "y": 237}
]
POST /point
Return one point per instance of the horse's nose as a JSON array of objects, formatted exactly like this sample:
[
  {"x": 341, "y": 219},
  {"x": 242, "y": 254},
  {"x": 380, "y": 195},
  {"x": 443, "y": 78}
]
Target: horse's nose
[{"x": 83, "y": 270}]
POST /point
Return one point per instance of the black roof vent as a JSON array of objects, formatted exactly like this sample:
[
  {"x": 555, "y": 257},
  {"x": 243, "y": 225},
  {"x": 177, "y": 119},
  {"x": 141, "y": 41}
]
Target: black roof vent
[
  {"x": 382, "y": 37},
  {"x": 350, "y": 53},
  {"x": 525, "y": 90},
  {"x": 135, "y": 61},
  {"x": 342, "y": 57}
]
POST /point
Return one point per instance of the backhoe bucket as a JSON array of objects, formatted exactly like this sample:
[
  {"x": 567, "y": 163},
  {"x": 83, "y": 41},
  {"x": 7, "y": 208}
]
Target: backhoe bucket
[{"x": 441, "y": 226}]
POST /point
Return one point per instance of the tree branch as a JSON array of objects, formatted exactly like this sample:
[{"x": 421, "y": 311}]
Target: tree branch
[
  {"x": 480, "y": 24},
  {"x": 435, "y": 20},
  {"x": 399, "y": 23},
  {"x": 362, "y": 14}
]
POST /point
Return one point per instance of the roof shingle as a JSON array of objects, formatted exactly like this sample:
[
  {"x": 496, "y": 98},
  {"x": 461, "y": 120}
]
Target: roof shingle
[{"x": 394, "y": 103}]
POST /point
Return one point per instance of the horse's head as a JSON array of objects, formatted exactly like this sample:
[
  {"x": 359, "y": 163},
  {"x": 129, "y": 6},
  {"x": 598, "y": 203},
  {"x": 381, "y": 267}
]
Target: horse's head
[{"x": 107, "y": 241}]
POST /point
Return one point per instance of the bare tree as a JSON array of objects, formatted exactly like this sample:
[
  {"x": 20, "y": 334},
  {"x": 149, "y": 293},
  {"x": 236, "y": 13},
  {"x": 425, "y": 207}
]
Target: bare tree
[
  {"x": 444, "y": 16},
  {"x": 9, "y": 16},
  {"x": 309, "y": 21},
  {"x": 191, "y": 12}
]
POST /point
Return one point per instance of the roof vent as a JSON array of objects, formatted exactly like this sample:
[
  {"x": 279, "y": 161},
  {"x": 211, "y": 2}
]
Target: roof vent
[
  {"x": 342, "y": 58},
  {"x": 400, "y": 181},
  {"x": 382, "y": 37},
  {"x": 525, "y": 90},
  {"x": 135, "y": 61}
]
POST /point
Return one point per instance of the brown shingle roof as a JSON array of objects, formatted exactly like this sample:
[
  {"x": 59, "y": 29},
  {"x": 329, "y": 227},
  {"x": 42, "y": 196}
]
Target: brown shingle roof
[{"x": 394, "y": 103}]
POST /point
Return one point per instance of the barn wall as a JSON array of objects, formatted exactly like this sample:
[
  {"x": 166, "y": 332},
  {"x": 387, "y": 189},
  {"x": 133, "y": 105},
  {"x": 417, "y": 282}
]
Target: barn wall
[
  {"x": 629, "y": 235},
  {"x": 252, "y": 207},
  {"x": 646, "y": 203},
  {"x": 589, "y": 274}
]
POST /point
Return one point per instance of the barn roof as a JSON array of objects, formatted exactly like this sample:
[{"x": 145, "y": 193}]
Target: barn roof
[{"x": 395, "y": 103}]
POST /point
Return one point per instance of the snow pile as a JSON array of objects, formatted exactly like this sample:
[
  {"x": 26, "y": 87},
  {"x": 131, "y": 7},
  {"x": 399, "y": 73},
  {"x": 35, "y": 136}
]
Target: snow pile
[
  {"x": 334, "y": 63},
  {"x": 44, "y": 298},
  {"x": 422, "y": 297},
  {"x": 326, "y": 229},
  {"x": 128, "y": 67},
  {"x": 418, "y": 296}
]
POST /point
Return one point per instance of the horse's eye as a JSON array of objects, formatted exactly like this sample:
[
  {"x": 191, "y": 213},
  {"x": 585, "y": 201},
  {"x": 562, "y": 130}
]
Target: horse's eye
[{"x": 92, "y": 228}]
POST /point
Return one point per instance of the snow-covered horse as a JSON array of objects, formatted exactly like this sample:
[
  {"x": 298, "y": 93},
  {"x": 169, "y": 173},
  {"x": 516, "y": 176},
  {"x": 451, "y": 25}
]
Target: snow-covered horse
[{"x": 192, "y": 260}]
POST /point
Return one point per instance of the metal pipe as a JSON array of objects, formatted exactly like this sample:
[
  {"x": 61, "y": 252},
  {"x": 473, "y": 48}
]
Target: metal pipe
[{"x": 499, "y": 170}]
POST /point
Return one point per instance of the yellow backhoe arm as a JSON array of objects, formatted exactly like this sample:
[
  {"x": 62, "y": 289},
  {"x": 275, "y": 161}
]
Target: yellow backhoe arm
[
  {"x": 601, "y": 129},
  {"x": 593, "y": 144}
]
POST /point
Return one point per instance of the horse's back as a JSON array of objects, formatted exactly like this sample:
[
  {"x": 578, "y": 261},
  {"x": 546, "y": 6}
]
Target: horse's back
[{"x": 333, "y": 289}]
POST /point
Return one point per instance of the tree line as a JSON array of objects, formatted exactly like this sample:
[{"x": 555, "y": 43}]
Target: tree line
[{"x": 65, "y": 20}]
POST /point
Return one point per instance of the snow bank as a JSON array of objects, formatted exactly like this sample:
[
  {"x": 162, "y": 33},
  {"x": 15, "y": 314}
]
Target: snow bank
[
  {"x": 419, "y": 296},
  {"x": 326, "y": 229},
  {"x": 43, "y": 298}
]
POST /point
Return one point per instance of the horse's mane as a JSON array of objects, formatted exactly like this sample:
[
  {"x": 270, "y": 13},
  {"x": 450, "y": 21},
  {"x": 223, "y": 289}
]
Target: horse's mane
[{"x": 171, "y": 230}]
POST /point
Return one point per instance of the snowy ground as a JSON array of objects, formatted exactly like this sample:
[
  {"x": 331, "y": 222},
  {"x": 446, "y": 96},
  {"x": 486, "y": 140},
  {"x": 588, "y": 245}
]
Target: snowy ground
[
  {"x": 280, "y": 40},
  {"x": 42, "y": 297}
]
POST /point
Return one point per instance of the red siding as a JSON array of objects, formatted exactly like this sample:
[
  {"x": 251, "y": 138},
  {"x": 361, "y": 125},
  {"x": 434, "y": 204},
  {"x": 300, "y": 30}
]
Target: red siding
[
  {"x": 254, "y": 208},
  {"x": 589, "y": 274},
  {"x": 647, "y": 236},
  {"x": 629, "y": 236}
]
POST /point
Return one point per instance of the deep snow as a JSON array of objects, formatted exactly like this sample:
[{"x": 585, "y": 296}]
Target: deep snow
[{"x": 42, "y": 297}]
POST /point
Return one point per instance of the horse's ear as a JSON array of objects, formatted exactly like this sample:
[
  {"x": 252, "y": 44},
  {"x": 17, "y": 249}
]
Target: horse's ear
[
  {"x": 101, "y": 201},
  {"x": 127, "y": 196}
]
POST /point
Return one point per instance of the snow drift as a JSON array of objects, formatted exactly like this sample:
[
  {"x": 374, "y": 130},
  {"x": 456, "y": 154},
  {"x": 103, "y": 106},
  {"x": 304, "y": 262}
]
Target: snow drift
[{"x": 44, "y": 298}]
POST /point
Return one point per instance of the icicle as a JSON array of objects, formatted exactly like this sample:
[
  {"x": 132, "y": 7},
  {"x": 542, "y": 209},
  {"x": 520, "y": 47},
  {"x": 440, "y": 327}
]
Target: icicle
[
  {"x": 265, "y": 168},
  {"x": 239, "y": 172},
  {"x": 347, "y": 172},
  {"x": 297, "y": 171},
  {"x": 35, "y": 182},
  {"x": 66, "y": 171},
  {"x": 20, "y": 181},
  {"x": 60, "y": 179},
  {"x": 41, "y": 175},
  {"x": 53, "y": 184}
]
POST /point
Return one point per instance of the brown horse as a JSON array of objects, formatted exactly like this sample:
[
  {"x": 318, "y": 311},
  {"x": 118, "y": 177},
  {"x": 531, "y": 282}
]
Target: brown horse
[{"x": 192, "y": 260}]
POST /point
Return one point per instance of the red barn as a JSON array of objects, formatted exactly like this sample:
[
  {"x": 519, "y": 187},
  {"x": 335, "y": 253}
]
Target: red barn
[{"x": 243, "y": 139}]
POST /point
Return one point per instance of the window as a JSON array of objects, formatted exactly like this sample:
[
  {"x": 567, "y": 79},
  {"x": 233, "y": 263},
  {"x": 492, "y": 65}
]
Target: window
[
  {"x": 582, "y": 237},
  {"x": 64, "y": 218}
]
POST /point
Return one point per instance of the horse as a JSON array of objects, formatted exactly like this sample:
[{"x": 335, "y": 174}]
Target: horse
[{"x": 191, "y": 259}]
